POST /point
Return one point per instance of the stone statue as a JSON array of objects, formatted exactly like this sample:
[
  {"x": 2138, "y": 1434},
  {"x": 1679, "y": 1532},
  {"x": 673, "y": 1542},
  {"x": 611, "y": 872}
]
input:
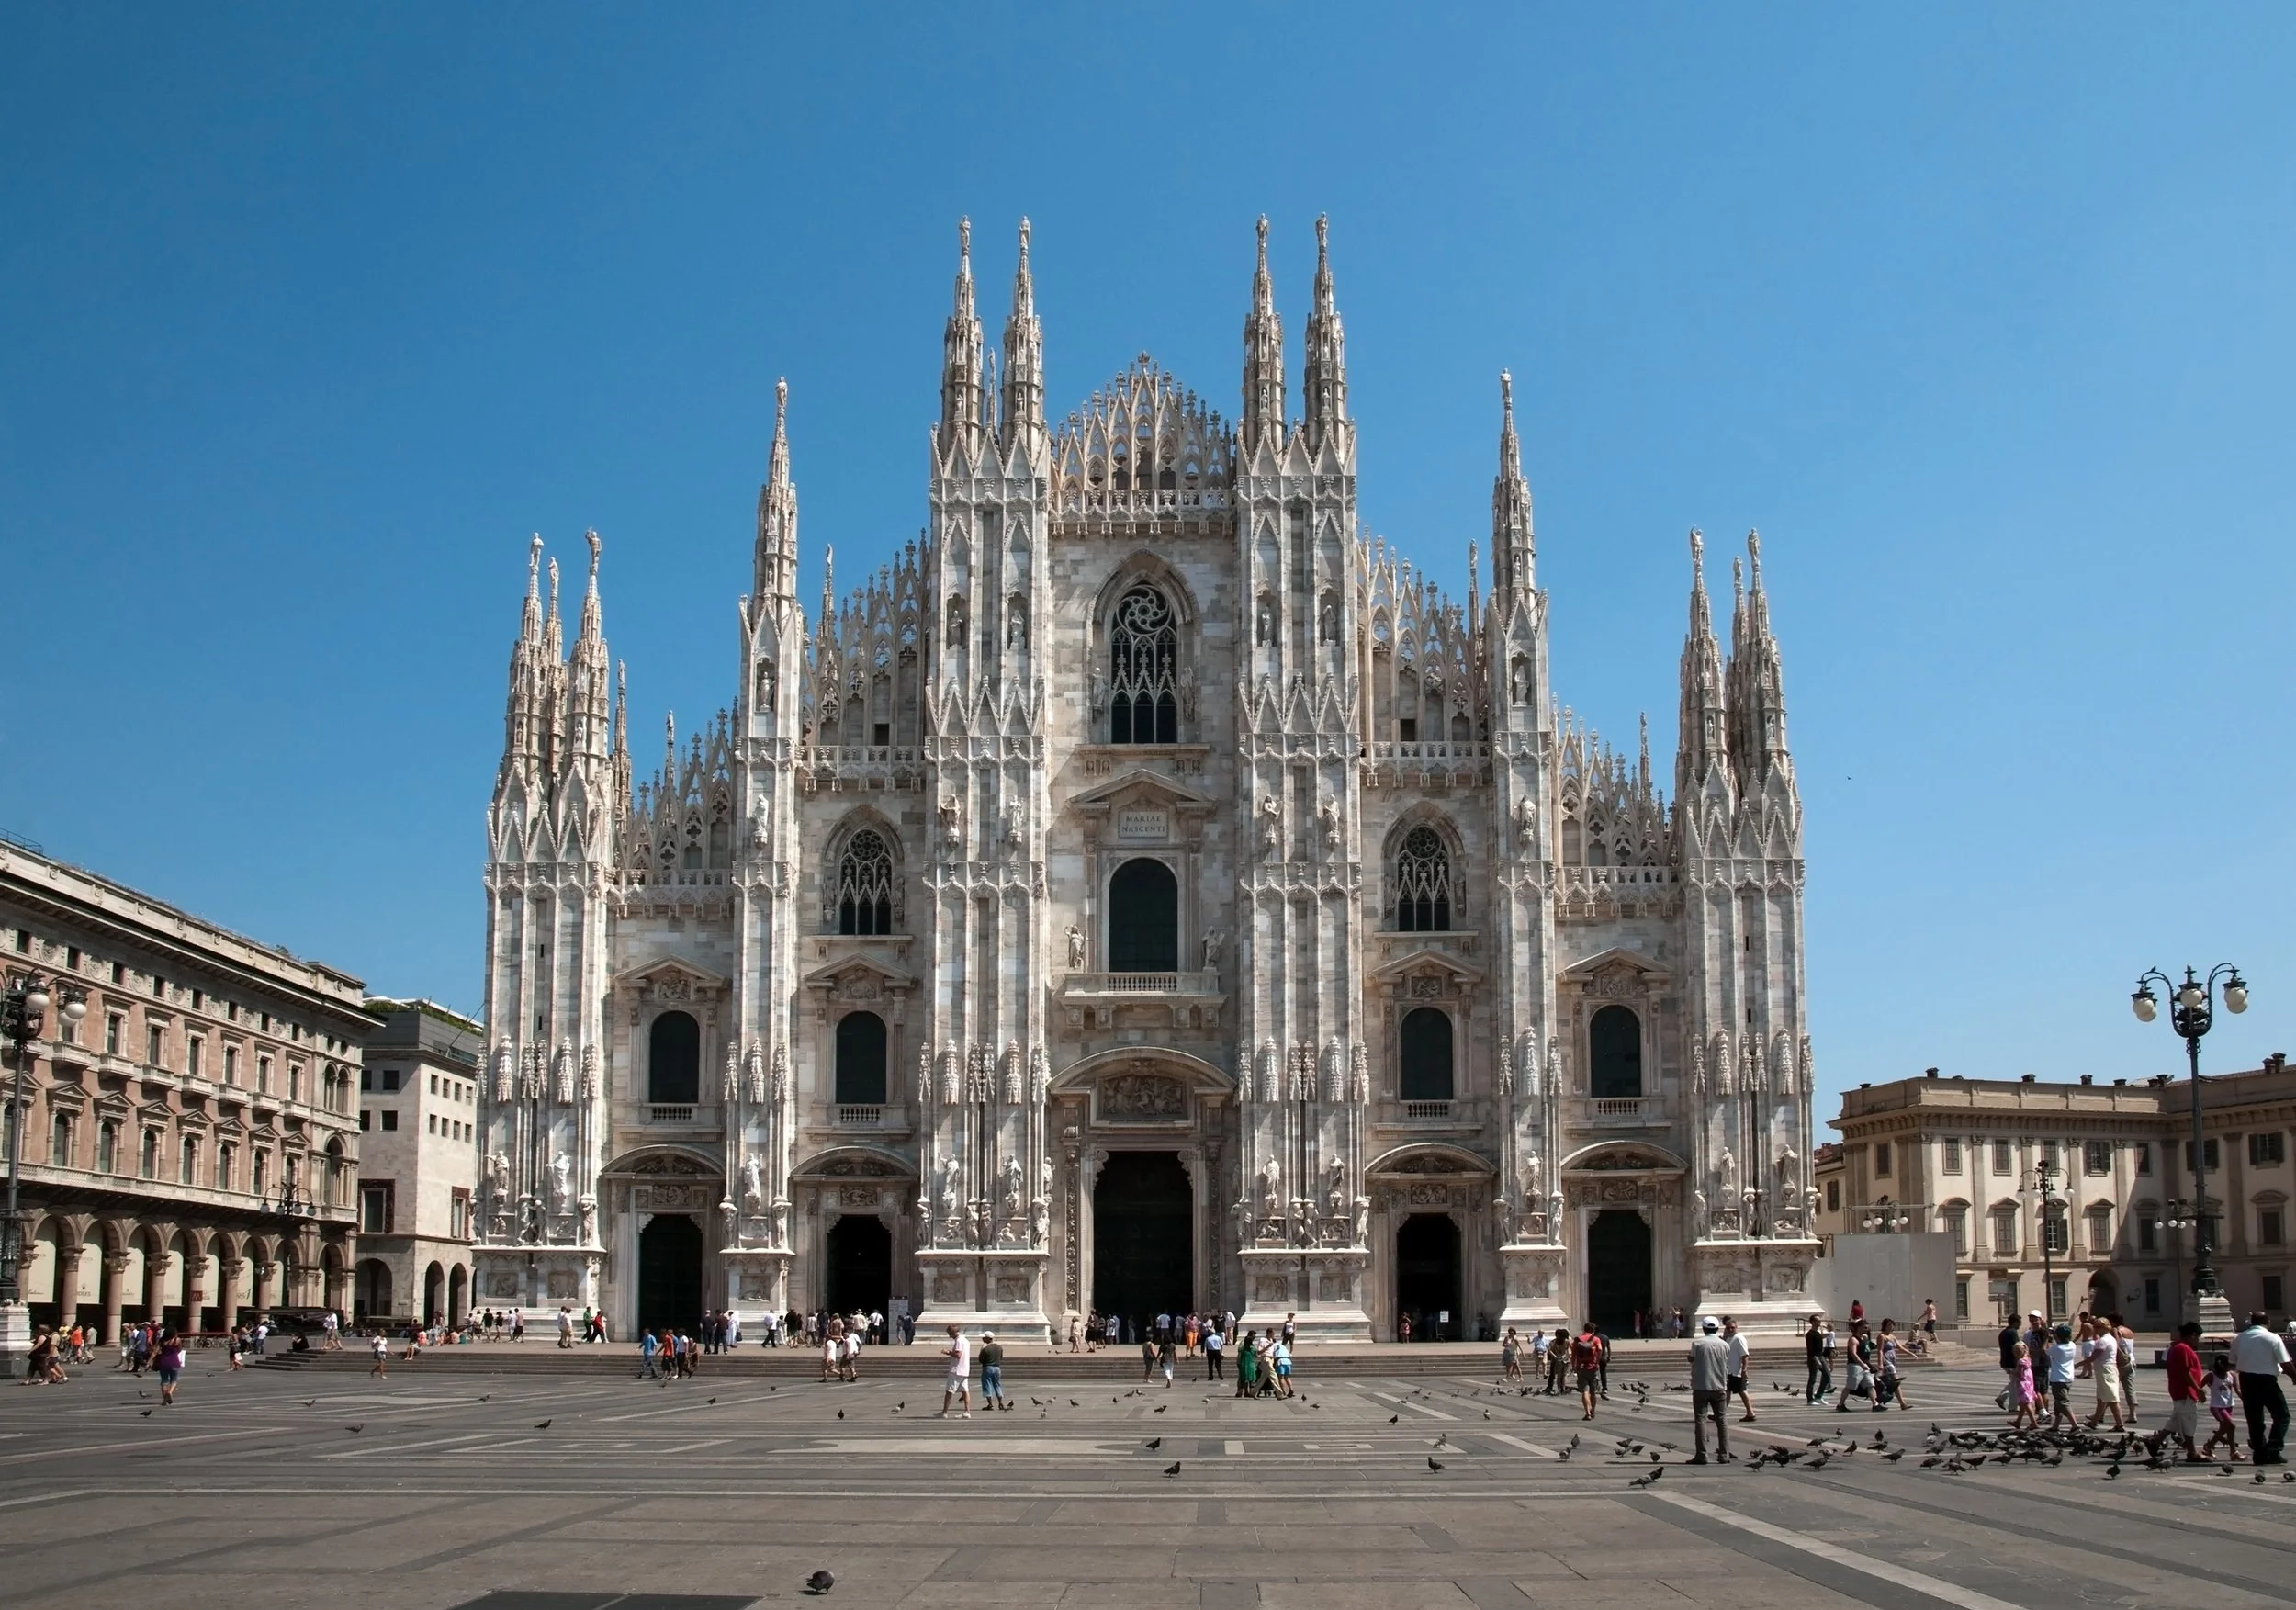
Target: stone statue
[
  {"x": 1040, "y": 1224},
  {"x": 1264, "y": 624},
  {"x": 499, "y": 1176},
  {"x": 952, "y": 817},
  {"x": 1271, "y": 828},
  {"x": 1363, "y": 1221},
  {"x": 1017, "y": 627},
  {"x": 561, "y": 1184},
  {"x": 1212, "y": 939},
  {"x": 1520, "y": 680},
  {"x": 752, "y": 1184},
  {"x": 1327, "y": 819},
  {"x": 1272, "y": 1188},
  {"x": 1526, "y": 822},
  {"x": 1099, "y": 691},
  {"x": 1014, "y": 825},
  {"x": 952, "y": 1190},
  {"x": 1044, "y": 1179},
  {"x": 1012, "y": 1186},
  {"x": 1075, "y": 948},
  {"x": 1726, "y": 1165},
  {"x": 1335, "y": 1185},
  {"x": 1698, "y": 1214},
  {"x": 768, "y": 681}
]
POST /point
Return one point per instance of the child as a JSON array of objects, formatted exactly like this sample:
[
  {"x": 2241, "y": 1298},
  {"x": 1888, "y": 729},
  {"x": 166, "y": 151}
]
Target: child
[
  {"x": 2023, "y": 1399},
  {"x": 2223, "y": 1398}
]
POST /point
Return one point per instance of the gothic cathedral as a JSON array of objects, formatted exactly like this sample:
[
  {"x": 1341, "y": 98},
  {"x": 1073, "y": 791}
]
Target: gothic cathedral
[{"x": 1147, "y": 893}]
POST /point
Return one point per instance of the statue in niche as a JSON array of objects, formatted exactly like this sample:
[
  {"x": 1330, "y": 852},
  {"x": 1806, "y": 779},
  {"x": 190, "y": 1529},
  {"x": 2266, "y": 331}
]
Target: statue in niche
[
  {"x": 951, "y": 1187},
  {"x": 952, "y": 816},
  {"x": 1017, "y": 626},
  {"x": 1263, "y": 624},
  {"x": 1327, "y": 819},
  {"x": 498, "y": 1178},
  {"x": 768, "y": 683},
  {"x": 561, "y": 1184},
  {"x": 1335, "y": 1186},
  {"x": 1271, "y": 828},
  {"x": 1327, "y": 625},
  {"x": 1044, "y": 1179},
  {"x": 1075, "y": 948},
  {"x": 1363, "y": 1221},
  {"x": 1519, "y": 679},
  {"x": 1099, "y": 693},
  {"x": 1013, "y": 1200},
  {"x": 752, "y": 1184},
  {"x": 1212, "y": 939},
  {"x": 1726, "y": 1166},
  {"x": 1015, "y": 826},
  {"x": 1526, "y": 822},
  {"x": 1272, "y": 1188},
  {"x": 1698, "y": 1215}
]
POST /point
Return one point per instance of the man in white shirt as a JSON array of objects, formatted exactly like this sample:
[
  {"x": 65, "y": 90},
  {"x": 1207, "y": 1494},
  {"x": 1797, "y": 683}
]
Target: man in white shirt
[
  {"x": 958, "y": 1389},
  {"x": 2259, "y": 1359},
  {"x": 1735, "y": 1384}
]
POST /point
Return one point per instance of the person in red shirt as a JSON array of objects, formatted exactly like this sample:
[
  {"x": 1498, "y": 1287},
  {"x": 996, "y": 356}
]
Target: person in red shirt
[{"x": 2184, "y": 1394}]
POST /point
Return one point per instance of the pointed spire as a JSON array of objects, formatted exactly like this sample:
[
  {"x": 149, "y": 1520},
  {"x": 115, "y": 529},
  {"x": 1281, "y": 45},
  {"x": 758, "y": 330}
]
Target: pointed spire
[
  {"x": 1513, "y": 544},
  {"x": 1024, "y": 358},
  {"x": 522, "y": 711},
  {"x": 530, "y": 624},
  {"x": 1263, "y": 358},
  {"x": 774, "y": 562},
  {"x": 828, "y": 584},
  {"x": 1324, "y": 381},
  {"x": 962, "y": 399},
  {"x": 1757, "y": 683},
  {"x": 1701, "y": 760},
  {"x": 589, "y": 631},
  {"x": 622, "y": 711},
  {"x": 553, "y": 632}
]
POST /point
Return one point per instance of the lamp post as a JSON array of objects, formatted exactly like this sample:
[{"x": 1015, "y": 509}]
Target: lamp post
[
  {"x": 2191, "y": 1014},
  {"x": 2180, "y": 1216},
  {"x": 2045, "y": 1184},
  {"x": 23, "y": 1011}
]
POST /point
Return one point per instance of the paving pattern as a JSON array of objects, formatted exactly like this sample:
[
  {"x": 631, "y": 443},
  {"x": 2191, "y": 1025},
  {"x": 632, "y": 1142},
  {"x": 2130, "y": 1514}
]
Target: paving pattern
[{"x": 427, "y": 1490}]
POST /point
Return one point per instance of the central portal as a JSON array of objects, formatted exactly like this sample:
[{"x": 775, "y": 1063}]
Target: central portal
[
  {"x": 860, "y": 1265},
  {"x": 1143, "y": 1237},
  {"x": 1617, "y": 1269},
  {"x": 669, "y": 1272}
]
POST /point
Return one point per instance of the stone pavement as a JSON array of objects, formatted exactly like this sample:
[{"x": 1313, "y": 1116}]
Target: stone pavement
[{"x": 255, "y": 1491}]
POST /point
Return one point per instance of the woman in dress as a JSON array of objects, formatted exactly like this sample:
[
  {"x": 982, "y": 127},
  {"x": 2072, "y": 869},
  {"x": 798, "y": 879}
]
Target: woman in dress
[{"x": 1247, "y": 1364}]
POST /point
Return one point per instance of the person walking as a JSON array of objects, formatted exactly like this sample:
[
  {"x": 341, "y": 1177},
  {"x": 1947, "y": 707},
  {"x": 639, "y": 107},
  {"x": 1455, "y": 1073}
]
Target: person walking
[
  {"x": 1739, "y": 1349},
  {"x": 993, "y": 1373},
  {"x": 2099, "y": 1354},
  {"x": 2223, "y": 1390},
  {"x": 958, "y": 1386},
  {"x": 647, "y": 1347},
  {"x": 1710, "y": 1390},
  {"x": 1215, "y": 1340},
  {"x": 1511, "y": 1355},
  {"x": 2187, "y": 1386},
  {"x": 2062, "y": 1361},
  {"x": 1586, "y": 1356},
  {"x": 2125, "y": 1345},
  {"x": 169, "y": 1360},
  {"x": 566, "y": 1327},
  {"x": 379, "y": 1348},
  {"x": 1557, "y": 1361},
  {"x": 2260, "y": 1359},
  {"x": 831, "y": 1341},
  {"x": 1820, "y": 1383},
  {"x": 1280, "y": 1356},
  {"x": 1929, "y": 1318},
  {"x": 1166, "y": 1350},
  {"x": 2009, "y": 1341},
  {"x": 1892, "y": 1384},
  {"x": 1247, "y": 1364},
  {"x": 849, "y": 1356}
]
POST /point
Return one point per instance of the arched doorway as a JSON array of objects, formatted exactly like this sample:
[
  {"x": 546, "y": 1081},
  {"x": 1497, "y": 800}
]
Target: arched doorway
[
  {"x": 370, "y": 1290},
  {"x": 1427, "y": 1271},
  {"x": 670, "y": 1272},
  {"x": 1143, "y": 918},
  {"x": 433, "y": 1293},
  {"x": 458, "y": 1294},
  {"x": 1617, "y": 1269},
  {"x": 860, "y": 1265},
  {"x": 1143, "y": 1237}
]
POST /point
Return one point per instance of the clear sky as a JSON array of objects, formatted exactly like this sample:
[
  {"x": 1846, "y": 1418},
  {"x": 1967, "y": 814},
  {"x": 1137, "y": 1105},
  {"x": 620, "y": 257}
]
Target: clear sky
[{"x": 308, "y": 316}]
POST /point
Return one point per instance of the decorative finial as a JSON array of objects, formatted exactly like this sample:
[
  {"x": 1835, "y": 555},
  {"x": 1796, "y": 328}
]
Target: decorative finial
[
  {"x": 781, "y": 404},
  {"x": 1697, "y": 552},
  {"x": 590, "y": 536},
  {"x": 533, "y": 561},
  {"x": 1753, "y": 550},
  {"x": 1024, "y": 240},
  {"x": 964, "y": 243},
  {"x": 1322, "y": 232},
  {"x": 1506, "y": 392},
  {"x": 554, "y": 587}
]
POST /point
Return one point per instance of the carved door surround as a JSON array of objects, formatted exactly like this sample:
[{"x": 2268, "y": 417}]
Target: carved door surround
[
  {"x": 1619, "y": 976},
  {"x": 1141, "y": 813}
]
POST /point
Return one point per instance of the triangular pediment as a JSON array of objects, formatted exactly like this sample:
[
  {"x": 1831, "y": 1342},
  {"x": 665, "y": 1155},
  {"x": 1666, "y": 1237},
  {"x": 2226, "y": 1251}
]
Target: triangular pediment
[
  {"x": 1428, "y": 960},
  {"x": 1616, "y": 960},
  {"x": 1140, "y": 781},
  {"x": 853, "y": 975},
  {"x": 671, "y": 977}
]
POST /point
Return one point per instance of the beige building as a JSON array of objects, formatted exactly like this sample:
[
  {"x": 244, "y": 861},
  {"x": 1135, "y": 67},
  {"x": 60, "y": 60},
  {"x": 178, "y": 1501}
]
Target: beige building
[
  {"x": 418, "y": 1162},
  {"x": 1963, "y": 1155},
  {"x": 190, "y": 1144}
]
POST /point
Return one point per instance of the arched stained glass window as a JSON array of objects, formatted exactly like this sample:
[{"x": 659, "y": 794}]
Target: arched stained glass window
[
  {"x": 1144, "y": 670},
  {"x": 862, "y": 899},
  {"x": 1422, "y": 884}
]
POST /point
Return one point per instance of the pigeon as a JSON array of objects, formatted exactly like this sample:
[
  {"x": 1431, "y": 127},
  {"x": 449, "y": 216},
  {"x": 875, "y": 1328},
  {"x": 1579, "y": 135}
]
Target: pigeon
[
  {"x": 142, "y": 1393},
  {"x": 1442, "y": 1439},
  {"x": 1654, "y": 1456},
  {"x": 1152, "y": 1443},
  {"x": 840, "y": 1413},
  {"x": 2288, "y": 1475},
  {"x": 354, "y": 1430},
  {"x": 1646, "y": 1480},
  {"x": 314, "y": 1403},
  {"x": 1894, "y": 1455},
  {"x": 544, "y": 1425},
  {"x": 2259, "y": 1477},
  {"x": 1162, "y": 1407},
  {"x": 2228, "y": 1469},
  {"x": 819, "y": 1582},
  {"x": 1073, "y": 1404},
  {"x": 1563, "y": 1457},
  {"x": 1574, "y": 1439},
  {"x": 145, "y": 1413},
  {"x": 1392, "y": 1419},
  {"x": 714, "y": 1400},
  {"x": 1433, "y": 1464},
  {"x": 1173, "y": 1468},
  {"x": 2112, "y": 1472}
]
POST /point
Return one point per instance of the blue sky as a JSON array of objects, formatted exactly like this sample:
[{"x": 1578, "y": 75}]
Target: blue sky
[{"x": 309, "y": 316}]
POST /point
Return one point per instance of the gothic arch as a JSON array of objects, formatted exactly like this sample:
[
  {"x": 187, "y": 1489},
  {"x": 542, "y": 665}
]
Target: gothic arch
[
  {"x": 1149, "y": 571},
  {"x": 1431, "y": 1158},
  {"x": 854, "y": 1162},
  {"x": 1424, "y": 886},
  {"x": 1081, "y": 1074},
  {"x": 887, "y": 885}
]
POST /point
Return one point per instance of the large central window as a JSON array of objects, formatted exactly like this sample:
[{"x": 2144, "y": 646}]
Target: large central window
[
  {"x": 863, "y": 900},
  {"x": 1143, "y": 918},
  {"x": 1422, "y": 884},
  {"x": 1615, "y": 1048},
  {"x": 861, "y": 1060},
  {"x": 1144, "y": 670},
  {"x": 674, "y": 1060}
]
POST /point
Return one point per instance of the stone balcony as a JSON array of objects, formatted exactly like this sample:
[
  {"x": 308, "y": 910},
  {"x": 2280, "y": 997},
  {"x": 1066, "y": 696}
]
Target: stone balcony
[{"x": 1179, "y": 1000}]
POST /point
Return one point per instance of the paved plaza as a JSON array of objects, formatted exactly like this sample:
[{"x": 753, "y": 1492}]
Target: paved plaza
[{"x": 443, "y": 1486}]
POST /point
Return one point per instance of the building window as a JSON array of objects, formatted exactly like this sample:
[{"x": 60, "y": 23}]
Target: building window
[
  {"x": 2002, "y": 1163},
  {"x": 2266, "y": 1148},
  {"x": 195, "y": 1056},
  {"x": 2056, "y": 1295},
  {"x": 391, "y": 1118},
  {"x": 226, "y": 1166},
  {"x": 2148, "y": 1226},
  {"x": 155, "y": 1044},
  {"x": 391, "y": 1080},
  {"x": 1144, "y": 670},
  {"x": 2269, "y": 1232},
  {"x": 263, "y": 1172},
  {"x": 2056, "y": 1233},
  {"x": 187, "y": 1169},
  {"x": 159, "y": 987},
  {"x": 375, "y": 1209},
  {"x": 1961, "y": 1299},
  {"x": 2004, "y": 1232},
  {"x": 1143, "y": 918},
  {"x": 1615, "y": 1055},
  {"x": 107, "y": 1148},
  {"x": 1881, "y": 1159},
  {"x": 1422, "y": 884},
  {"x": 295, "y": 1081},
  {"x": 366, "y": 1078},
  {"x": 861, "y": 1060},
  {"x": 1833, "y": 1196},
  {"x": 2144, "y": 1151},
  {"x": 674, "y": 1060},
  {"x": 433, "y": 1125},
  {"x": 459, "y": 1216},
  {"x": 148, "y": 1164},
  {"x": 861, "y": 902},
  {"x": 1423, "y": 1063},
  {"x": 2209, "y": 1155},
  {"x": 112, "y": 1023},
  {"x": 2098, "y": 1229},
  {"x": 1953, "y": 1155},
  {"x": 1957, "y": 1225},
  {"x": 2097, "y": 1158},
  {"x": 230, "y": 1065},
  {"x": 364, "y": 1116},
  {"x": 263, "y": 1076},
  {"x": 2152, "y": 1294},
  {"x": 60, "y": 1140}
]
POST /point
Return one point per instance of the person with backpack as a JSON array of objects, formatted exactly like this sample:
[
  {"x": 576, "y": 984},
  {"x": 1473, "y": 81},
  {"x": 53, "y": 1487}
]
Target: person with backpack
[{"x": 1586, "y": 1363}]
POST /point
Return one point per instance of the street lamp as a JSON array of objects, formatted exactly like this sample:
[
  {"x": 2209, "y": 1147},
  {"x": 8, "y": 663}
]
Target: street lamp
[
  {"x": 2178, "y": 1217},
  {"x": 1885, "y": 1219},
  {"x": 2192, "y": 1015},
  {"x": 2051, "y": 1205},
  {"x": 23, "y": 1011}
]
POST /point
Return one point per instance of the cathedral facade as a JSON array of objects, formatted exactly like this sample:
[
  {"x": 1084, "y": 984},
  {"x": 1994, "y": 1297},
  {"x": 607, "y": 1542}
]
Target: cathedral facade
[{"x": 1145, "y": 894}]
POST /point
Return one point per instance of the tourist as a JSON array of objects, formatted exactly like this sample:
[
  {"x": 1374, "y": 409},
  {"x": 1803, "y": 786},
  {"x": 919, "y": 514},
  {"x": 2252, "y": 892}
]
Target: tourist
[
  {"x": 1710, "y": 1390},
  {"x": 829, "y": 1348},
  {"x": 958, "y": 1387},
  {"x": 2124, "y": 1340},
  {"x": 518, "y": 1328},
  {"x": 1601, "y": 1358},
  {"x": 1511, "y": 1355},
  {"x": 646, "y": 1348},
  {"x": 1557, "y": 1361},
  {"x": 566, "y": 1327},
  {"x": 1891, "y": 1384},
  {"x": 2021, "y": 1394},
  {"x": 1291, "y": 1330},
  {"x": 1076, "y": 1335},
  {"x": 848, "y": 1356},
  {"x": 1403, "y": 1328},
  {"x": 1929, "y": 1318},
  {"x": 1279, "y": 1357},
  {"x": 1736, "y": 1386},
  {"x": 993, "y": 1373},
  {"x": 1247, "y": 1364},
  {"x": 2008, "y": 1342},
  {"x": 2223, "y": 1390},
  {"x": 2186, "y": 1388},
  {"x": 41, "y": 1367},
  {"x": 1538, "y": 1353},
  {"x": 1164, "y": 1352},
  {"x": 1214, "y": 1341},
  {"x": 1817, "y": 1351},
  {"x": 2260, "y": 1359},
  {"x": 2061, "y": 1363},
  {"x": 1586, "y": 1356},
  {"x": 2099, "y": 1354},
  {"x": 168, "y": 1359}
]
